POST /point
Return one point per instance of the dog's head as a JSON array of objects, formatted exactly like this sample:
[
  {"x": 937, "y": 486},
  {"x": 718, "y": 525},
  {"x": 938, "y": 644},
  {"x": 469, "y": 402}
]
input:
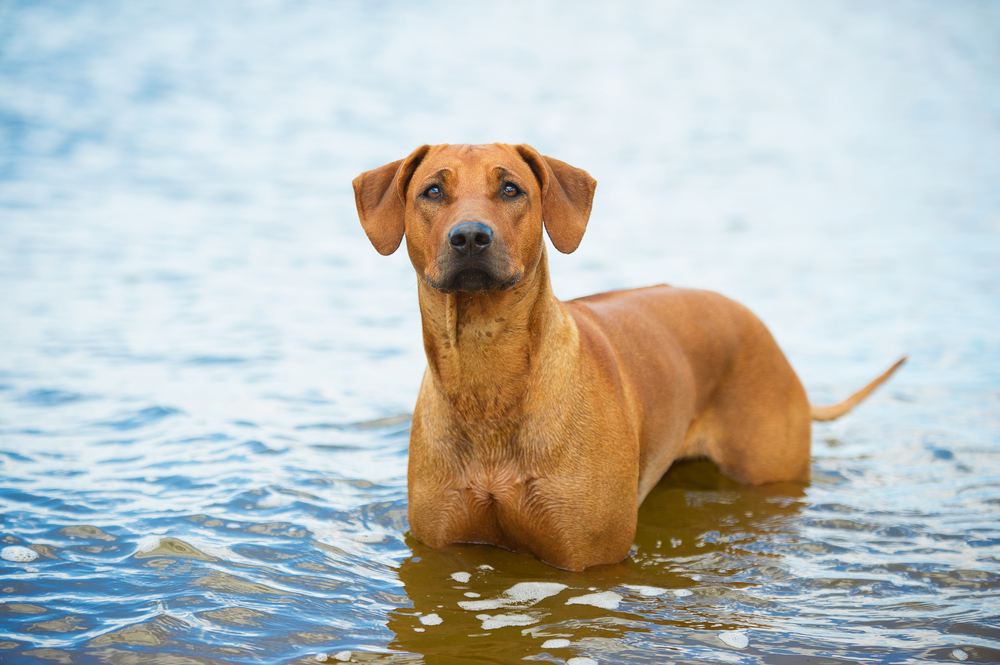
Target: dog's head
[{"x": 473, "y": 215}]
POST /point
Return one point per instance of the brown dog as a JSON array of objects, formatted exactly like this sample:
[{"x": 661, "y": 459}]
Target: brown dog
[{"x": 542, "y": 425}]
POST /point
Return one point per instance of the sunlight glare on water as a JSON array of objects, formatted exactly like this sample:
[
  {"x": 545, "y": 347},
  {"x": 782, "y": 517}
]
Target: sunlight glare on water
[{"x": 206, "y": 371}]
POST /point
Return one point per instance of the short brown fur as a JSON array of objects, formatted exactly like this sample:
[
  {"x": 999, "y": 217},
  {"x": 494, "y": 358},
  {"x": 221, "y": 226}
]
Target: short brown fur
[{"x": 542, "y": 425}]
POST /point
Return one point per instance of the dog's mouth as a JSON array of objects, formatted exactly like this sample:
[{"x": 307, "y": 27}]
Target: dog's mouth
[{"x": 472, "y": 280}]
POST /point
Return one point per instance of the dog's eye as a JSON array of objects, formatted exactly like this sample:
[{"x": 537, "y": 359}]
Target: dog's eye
[
  {"x": 510, "y": 191},
  {"x": 432, "y": 192}
]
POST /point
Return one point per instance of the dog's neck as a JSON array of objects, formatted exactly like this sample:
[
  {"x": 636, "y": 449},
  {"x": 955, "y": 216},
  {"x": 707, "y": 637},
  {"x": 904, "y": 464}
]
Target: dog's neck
[{"x": 481, "y": 347}]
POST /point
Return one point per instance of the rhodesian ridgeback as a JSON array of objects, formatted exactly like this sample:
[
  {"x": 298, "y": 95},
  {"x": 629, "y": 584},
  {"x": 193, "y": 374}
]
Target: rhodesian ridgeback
[{"x": 542, "y": 425}]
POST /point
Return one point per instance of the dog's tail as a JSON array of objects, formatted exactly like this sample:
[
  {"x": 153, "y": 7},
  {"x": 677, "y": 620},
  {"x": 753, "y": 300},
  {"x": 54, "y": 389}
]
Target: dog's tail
[{"x": 834, "y": 411}]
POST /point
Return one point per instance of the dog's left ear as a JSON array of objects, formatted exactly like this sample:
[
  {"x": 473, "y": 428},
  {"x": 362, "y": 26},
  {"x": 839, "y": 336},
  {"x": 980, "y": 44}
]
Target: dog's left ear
[
  {"x": 380, "y": 195},
  {"x": 567, "y": 196}
]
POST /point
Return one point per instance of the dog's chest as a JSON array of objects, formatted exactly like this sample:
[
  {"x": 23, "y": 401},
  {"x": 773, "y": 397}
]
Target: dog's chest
[
  {"x": 501, "y": 485},
  {"x": 501, "y": 509},
  {"x": 497, "y": 501},
  {"x": 497, "y": 486},
  {"x": 490, "y": 467}
]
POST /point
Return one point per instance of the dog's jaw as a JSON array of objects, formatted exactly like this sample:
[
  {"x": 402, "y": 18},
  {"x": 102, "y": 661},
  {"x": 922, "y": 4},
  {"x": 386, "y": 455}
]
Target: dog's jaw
[{"x": 473, "y": 280}]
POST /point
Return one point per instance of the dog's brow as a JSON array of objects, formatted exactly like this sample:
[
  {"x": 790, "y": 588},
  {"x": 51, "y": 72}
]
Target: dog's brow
[
  {"x": 502, "y": 171},
  {"x": 439, "y": 174}
]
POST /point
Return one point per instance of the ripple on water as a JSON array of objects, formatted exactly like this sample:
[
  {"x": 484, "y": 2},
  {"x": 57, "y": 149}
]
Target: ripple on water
[
  {"x": 87, "y": 532},
  {"x": 154, "y": 546},
  {"x": 50, "y": 397},
  {"x": 236, "y": 616},
  {"x": 141, "y": 418}
]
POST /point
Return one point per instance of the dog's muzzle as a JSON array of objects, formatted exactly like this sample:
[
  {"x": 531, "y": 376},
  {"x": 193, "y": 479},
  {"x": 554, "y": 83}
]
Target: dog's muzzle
[{"x": 473, "y": 259}]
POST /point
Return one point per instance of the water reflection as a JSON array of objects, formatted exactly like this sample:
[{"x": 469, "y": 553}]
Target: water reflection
[{"x": 703, "y": 546}]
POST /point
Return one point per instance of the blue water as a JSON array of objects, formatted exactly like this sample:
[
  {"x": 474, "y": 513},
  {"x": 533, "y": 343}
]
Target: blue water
[{"x": 206, "y": 372}]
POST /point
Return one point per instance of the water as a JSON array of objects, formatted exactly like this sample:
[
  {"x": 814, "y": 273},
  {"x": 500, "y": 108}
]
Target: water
[{"x": 206, "y": 371}]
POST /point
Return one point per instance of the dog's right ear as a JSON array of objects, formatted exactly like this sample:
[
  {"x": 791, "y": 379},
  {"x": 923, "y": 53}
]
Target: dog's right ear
[{"x": 380, "y": 195}]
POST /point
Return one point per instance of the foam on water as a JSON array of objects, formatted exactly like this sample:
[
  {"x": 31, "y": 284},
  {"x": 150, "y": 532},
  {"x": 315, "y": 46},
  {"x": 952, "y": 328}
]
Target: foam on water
[
  {"x": 734, "y": 638},
  {"x": 608, "y": 600},
  {"x": 18, "y": 553},
  {"x": 645, "y": 590},
  {"x": 522, "y": 594},
  {"x": 558, "y": 643},
  {"x": 274, "y": 501},
  {"x": 504, "y": 620},
  {"x": 431, "y": 620},
  {"x": 147, "y": 544},
  {"x": 462, "y": 578},
  {"x": 369, "y": 537}
]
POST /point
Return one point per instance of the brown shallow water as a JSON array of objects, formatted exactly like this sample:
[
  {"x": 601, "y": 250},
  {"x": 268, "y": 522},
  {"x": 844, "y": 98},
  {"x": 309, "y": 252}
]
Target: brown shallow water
[
  {"x": 711, "y": 558},
  {"x": 206, "y": 371}
]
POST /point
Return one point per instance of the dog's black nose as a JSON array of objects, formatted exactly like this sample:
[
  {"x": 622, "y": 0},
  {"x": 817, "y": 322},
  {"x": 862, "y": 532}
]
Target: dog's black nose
[{"x": 470, "y": 237}]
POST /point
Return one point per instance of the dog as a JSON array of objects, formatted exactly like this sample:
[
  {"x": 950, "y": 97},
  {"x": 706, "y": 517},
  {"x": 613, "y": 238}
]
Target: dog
[{"x": 541, "y": 425}]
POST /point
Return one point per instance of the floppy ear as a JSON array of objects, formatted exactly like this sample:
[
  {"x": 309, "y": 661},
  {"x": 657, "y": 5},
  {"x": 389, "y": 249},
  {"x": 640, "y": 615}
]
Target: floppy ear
[
  {"x": 380, "y": 195},
  {"x": 567, "y": 196}
]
